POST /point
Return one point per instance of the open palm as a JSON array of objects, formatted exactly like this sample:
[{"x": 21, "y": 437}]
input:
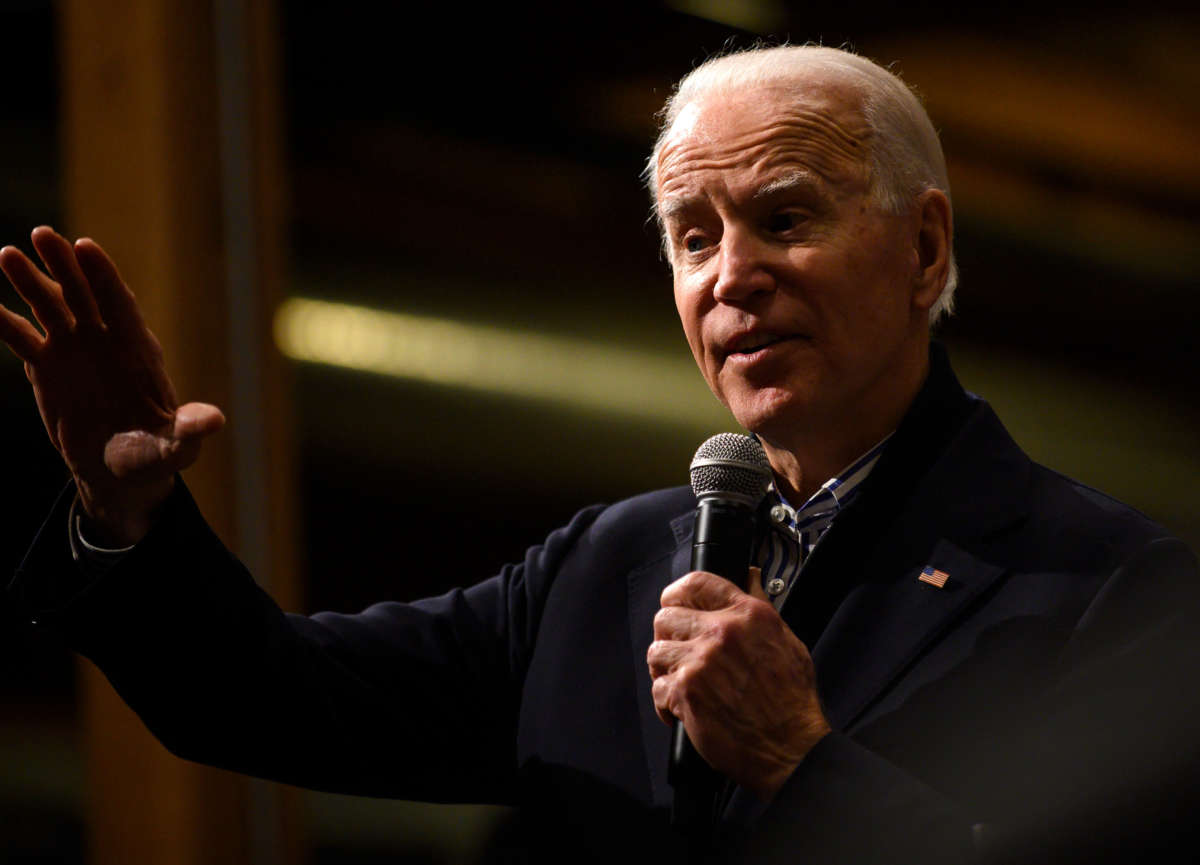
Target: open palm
[{"x": 98, "y": 376}]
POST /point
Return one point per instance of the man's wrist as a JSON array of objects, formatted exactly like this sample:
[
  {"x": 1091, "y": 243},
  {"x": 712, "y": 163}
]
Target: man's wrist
[
  {"x": 94, "y": 543},
  {"x": 93, "y": 559},
  {"x": 109, "y": 527},
  {"x": 772, "y": 785}
]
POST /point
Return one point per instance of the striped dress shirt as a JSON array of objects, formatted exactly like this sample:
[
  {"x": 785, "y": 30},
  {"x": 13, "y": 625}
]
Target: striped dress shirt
[{"x": 792, "y": 534}]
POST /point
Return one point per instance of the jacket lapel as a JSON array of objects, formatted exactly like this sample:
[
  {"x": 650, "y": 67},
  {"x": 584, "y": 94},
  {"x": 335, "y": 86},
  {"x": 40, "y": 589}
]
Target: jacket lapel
[
  {"x": 950, "y": 480},
  {"x": 882, "y": 627}
]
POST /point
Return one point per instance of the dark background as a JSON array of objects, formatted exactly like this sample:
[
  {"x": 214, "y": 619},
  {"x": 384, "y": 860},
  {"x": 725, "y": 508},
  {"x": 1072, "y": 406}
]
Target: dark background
[{"x": 484, "y": 167}]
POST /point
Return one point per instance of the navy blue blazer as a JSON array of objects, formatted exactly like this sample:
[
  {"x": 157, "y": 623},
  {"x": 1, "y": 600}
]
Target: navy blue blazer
[{"x": 965, "y": 716}]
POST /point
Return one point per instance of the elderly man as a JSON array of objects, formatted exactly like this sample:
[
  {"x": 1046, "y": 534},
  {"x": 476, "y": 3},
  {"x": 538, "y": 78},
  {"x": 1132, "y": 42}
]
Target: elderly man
[{"x": 913, "y": 677}]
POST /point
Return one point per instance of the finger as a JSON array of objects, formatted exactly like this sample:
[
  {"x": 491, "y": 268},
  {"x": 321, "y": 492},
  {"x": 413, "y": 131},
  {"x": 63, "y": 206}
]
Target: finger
[
  {"x": 19, "y": 335},
  {"x": 664, "y": 656},
  {"x": 680, "y": 623},
  {"x": 754, "y": 582},
  {"x": 702, "y": 591},
  {"x": 197, "y": 420},
  {"x": 116, "y": 302},
  {"x": 60, "y": 260},
  {"x": 660, "y": 692},
  {"x": 193, "y": 422},
  {"x": 38, "y": 290},
  {"x": 181, "y": 454},
  {"x": 139, "y": 456}
]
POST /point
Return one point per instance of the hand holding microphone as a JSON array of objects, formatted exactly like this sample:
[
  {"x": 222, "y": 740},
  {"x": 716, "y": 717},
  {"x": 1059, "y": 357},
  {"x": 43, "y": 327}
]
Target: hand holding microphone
[{"x": 726, "y": 669}]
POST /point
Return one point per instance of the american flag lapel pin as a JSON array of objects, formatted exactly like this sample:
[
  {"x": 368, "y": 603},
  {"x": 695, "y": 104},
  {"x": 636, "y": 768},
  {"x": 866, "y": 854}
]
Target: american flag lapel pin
[{"x": 934, "y": 577}]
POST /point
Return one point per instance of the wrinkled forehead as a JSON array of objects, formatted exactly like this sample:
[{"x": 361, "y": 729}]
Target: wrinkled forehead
[{"x": 816, "y": 127}]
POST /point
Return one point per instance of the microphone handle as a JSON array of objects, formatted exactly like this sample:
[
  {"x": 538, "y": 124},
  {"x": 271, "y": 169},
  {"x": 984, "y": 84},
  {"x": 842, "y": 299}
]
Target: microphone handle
[{"x": 721, "y": 544}]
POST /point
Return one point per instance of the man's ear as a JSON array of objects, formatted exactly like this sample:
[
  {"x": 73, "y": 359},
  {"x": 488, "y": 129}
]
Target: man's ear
[{"x": 934, "y": 236}]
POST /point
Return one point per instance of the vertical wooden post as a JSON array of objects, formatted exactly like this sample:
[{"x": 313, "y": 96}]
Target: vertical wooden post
[{"x": 169, "y": 107}]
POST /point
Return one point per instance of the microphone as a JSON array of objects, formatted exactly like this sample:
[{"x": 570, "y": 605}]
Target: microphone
[{"x": 730, "y": 475}]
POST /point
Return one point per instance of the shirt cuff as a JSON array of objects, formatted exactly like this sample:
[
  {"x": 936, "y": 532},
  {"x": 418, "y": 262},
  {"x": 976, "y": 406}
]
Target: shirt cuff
[{"x": 93, "y": 559}]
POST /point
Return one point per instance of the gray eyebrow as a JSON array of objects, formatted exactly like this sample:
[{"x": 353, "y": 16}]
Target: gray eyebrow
[
  {"x": 672, "y": 206},
  {"x": 791, "y": 180}
]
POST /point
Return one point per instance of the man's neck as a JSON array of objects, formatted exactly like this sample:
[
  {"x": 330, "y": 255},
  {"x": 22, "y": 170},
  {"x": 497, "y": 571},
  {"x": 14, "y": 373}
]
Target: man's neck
[{"x": 816, "y": 452}]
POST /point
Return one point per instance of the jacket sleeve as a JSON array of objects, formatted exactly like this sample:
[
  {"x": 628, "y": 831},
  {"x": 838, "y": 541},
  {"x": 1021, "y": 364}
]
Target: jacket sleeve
[
  {"x": 412, "y": 700},
  {"x": 845, "y": 803}
]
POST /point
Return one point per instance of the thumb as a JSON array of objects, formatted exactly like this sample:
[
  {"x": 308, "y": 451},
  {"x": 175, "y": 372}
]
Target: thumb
[
  {"x": 754, "y": 583},
  {"x": 197, "y": 420}
]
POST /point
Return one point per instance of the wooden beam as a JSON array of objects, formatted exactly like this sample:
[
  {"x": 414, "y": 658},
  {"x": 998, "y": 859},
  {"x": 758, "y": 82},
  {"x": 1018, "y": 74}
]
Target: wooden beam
[{"x": 146, "y": 174}]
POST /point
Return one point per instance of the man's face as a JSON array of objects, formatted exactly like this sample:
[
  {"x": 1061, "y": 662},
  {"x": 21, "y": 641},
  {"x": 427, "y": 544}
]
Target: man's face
[{"x": 794, "y": 289}]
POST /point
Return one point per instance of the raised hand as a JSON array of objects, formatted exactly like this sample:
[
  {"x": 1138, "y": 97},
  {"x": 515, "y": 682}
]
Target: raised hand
[
  {"x": 725, "y": 664},
  {"x": 101, "y": 387}
]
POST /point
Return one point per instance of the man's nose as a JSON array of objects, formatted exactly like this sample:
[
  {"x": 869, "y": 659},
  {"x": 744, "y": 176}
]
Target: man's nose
[{"x": 743, "y": 267}]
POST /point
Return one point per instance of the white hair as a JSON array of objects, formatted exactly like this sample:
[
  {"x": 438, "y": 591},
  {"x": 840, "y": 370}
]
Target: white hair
[{"x": 905, "y": 156}]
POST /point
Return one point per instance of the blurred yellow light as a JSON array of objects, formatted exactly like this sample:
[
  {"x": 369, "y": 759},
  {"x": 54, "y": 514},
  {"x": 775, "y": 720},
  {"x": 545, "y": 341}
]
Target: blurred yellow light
[
  {"x": 576, "y": 372},
  {"x": 757, "y": 16}
]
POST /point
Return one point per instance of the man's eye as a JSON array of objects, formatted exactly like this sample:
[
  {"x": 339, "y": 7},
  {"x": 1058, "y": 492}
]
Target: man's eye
[
  {"x": 783, "y": 221},
  {"x": 694, "y": 243}
]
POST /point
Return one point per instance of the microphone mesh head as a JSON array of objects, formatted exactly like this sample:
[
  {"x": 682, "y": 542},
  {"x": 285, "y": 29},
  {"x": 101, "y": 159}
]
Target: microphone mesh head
[{"x": 731, "y": 466}]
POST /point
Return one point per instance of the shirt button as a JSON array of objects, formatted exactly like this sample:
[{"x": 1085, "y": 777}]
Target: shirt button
[
  {"x": 775, "y": 586},
  {"x": 779, "y": 514}
]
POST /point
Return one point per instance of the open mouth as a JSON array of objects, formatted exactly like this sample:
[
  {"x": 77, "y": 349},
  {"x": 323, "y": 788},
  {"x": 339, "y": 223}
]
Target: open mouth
[{"x": 753, "y": 343}]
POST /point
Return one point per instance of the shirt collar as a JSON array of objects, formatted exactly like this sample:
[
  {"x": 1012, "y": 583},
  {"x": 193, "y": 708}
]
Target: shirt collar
[{"x": 838, "y": 491}]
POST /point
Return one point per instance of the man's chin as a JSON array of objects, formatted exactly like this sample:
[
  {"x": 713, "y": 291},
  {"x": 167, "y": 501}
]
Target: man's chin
[{"x": 774, "y": 416}]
